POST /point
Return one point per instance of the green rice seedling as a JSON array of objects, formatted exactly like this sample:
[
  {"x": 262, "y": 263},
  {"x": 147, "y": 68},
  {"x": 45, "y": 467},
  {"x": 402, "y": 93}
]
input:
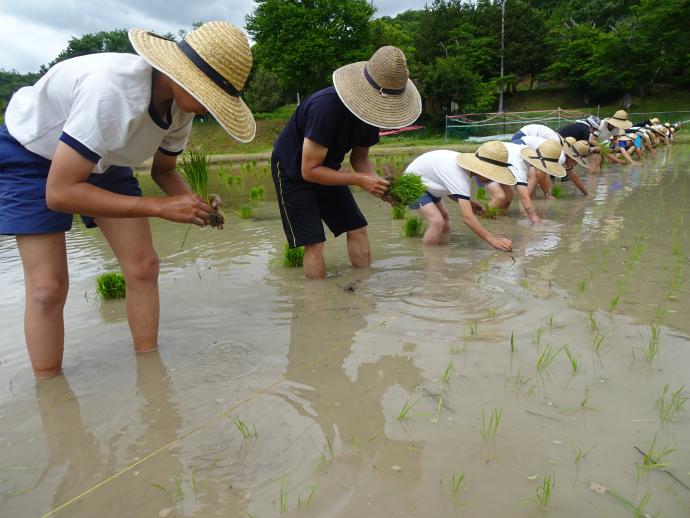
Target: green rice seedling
[
  {"x": 398, "y": 211},
  {"x": 544, "y": 492},
  {"x": 229, "y": 180},
  {"x": 524, "y": 282},
  {"x": 247, "y": 430},
  {"x": 669, "y": 410},
  {"x": 490, "y": 425},
  {"x": 573, "y": 359},
  {"x": 195, "y": 168},
  {"x": 307, "y": 502},
  {"x": 405, "y": 188},
  {"x": 405, "y": 411},
  {"x": 293, "y": 257},
  {"x": 582, "y": 285},
  {"x": 413, "y": 226},
  {"x": 653, "y": 460},
  {"x": 613, "y": 303},
  {"x": 283, "y": 496},
  {"x": 598, "y": 342},
  {"x": 261, "y": 191},
  {"x": 519, "y": 382},
  {"x": 238, "y": 181},
  {"x": 593, "y": 325},
  {"x": 550, "y": 323},
  {"x": 111, "y": 285},
  {"x": 489, "y": 212},
  {"x": 512, "y": 342},
  {"x": 651, "y": 348},
  {"x": 547, "y": 357},
  {"x": 448, "y": 372},
  {"x": 472, "y": 329},
  {"x": 557, "y": 191},
  {"x": 492, "y": 312},
  {"x": 584, "y": 403},
  {"x": 481, "y": 194},
  {"x": 580, "y": 458},
  {"x": 245, "y": 212},
  {"x": 455, "y": 485},
  {"x": 253, "y": 195},
  {"x": 536, "y": 338}
]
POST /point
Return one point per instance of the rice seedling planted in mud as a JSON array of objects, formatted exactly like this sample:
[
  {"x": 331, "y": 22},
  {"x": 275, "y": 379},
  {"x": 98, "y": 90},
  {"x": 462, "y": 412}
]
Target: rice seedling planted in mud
[
  {"x": 293, "y": 256},
  {"x": 455, "y": 484},
  {"x": 195, "y": 167},
  {"x": 573, "y": 359},
  {"x": 405, "y": 188},
  {"x": 405, "y": 411},
  {"x": 247, "y": 430},
  {"x": 544, "y": 492},
  {"x": 547, "y": 357},
  {"x": 671, "y": 409},
  {"x": 413, "y": 226},
  {"x": 490, "y": 425},
  {"x": 652, "y": 459},
  {"x": 245, "y": 212},
  {"x": 472, "y": 329},
  {"x": 580, "y": 458},
  {"x": 597, "y": 342},
  {"x": 111, "y": 285},
  {"x": 651, "y": 348},
  {"x": 512, "y": 342},
  {"x": 536, "y": 338},
  {"x": 592, "y": 322},
  {"x": 283, "y": 495}
]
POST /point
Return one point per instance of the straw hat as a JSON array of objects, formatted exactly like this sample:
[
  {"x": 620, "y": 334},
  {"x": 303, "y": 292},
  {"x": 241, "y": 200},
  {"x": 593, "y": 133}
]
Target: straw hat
[
  {"x": 646, "y": 138},
  {"x": 379, "y": 91},
  {"x": 620, "y": 120},
  {"x": 211, "y": 64},
  {"x": 490, "y": 161},
  {"x": 577, "y": 150},
  {"x": 545, "y": 158},
  {"x": 655, "y": 120}
]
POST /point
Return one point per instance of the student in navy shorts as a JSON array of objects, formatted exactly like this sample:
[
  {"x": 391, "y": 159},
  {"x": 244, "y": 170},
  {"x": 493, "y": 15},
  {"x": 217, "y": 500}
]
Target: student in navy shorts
[
  {"x": 309, "y": 152},
  {"x": 68, "y": 147}
]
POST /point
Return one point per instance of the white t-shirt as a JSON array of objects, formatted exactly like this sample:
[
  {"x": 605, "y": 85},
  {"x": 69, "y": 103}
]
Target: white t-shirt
[
  {"x": 518, "y": 166},
  {"x": 535, "y": 142},
  {"x": 100, "y": 106},
  {"x": 603, "y": 132},
  {"x": 539, "y": 130},
  {"x": 441, "y": 174}
]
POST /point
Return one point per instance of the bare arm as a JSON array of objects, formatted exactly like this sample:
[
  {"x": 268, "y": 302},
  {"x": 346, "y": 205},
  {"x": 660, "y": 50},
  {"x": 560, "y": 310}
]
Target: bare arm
[
  {"x": 68, "y": 191},
  {"x": 164, "y": 173},
  {"x": 501, "y": 243},
  {"x": 526, "y": 202},
  {"x": 313, "y": 170},
  {"x": 577, "y": 181}
]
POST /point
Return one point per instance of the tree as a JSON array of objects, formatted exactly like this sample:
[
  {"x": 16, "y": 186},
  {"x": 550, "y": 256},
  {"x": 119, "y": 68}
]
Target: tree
[
  {"x": 104, "y": 41},
  {"x": 450, "y": 81},
  {"x": 304, "y": 41},
  {"x": 263, "y": 92},
  {"x": 385, "y": 31}
]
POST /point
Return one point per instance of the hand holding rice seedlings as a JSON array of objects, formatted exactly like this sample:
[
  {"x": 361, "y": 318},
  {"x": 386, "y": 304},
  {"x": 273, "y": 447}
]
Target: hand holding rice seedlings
[
  {"x": 405, "y": 188},
  {"x": 413, "y": 226},
  {"x": 195, "y": 168},
  {"x": 293, "y": 257},
  {"x": 671, "y": 409},
  {"x": 111, "y": 285},
  {"x": 490, "y": 425}
]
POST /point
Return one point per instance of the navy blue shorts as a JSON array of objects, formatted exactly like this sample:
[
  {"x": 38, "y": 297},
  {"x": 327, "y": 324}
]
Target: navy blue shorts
[
  {"x": 517, "y": 138},
  {"x": 23, "y": 177},
  {"x": 424, "y": 199},
  {"x": 304, "y": 205}
]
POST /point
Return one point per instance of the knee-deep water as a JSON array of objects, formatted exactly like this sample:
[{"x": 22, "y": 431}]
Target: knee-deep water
[{"x": 444, "y": 381}]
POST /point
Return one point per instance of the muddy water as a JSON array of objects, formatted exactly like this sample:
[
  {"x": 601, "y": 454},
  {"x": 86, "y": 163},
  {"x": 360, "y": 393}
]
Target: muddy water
[{"x": 321, "y": 370}]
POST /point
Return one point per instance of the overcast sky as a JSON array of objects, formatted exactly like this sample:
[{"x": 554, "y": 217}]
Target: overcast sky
[{"x": 35, "y": 31}]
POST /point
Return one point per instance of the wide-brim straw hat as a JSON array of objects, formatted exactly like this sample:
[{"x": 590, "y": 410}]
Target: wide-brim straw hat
[
  {"x": 577, "y": 150},
  {"x": 620, "y": 120},
  {"x": 212, "y": 64},
  {"x": 489, "y": 161},
  {"x": 659, "y": 130},
  {"x": 379, "y": 91},
  {"x": 655, "y": 120},
  {"x": 545, "y": 158}
]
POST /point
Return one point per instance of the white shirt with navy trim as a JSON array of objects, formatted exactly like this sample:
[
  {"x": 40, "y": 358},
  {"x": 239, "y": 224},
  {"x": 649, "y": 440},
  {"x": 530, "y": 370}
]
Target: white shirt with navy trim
[
  {"x": 518, "y": 166},
  {"x": 539, "y": 130},
  {"x": 100, "y": 105},
  {"x": 441, "y": 174}
]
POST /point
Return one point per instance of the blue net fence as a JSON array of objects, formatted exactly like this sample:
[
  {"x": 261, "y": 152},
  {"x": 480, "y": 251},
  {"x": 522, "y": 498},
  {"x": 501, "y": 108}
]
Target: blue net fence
[{"x": 487, "y": 126}]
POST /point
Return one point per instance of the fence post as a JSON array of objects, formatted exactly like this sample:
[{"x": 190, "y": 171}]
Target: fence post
[{"x": 446, "y": 129}]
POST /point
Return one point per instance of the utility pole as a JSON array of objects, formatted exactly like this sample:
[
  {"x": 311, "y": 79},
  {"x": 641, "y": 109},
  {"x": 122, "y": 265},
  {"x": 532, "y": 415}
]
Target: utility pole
[{"x": 503, "y": 15}]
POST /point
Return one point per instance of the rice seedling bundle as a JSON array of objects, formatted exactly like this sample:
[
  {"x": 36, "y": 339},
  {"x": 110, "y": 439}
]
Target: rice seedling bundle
[
  {"x": 111, "y": 285},
  {"x": 557, "y": 191},
  {"x": 195, "y": 168},
  {"x": 405, "y": 188},
  {"x": 413, "y": 226},
  {"x": 293, "y": 256},
  {"x": 398, "y": 211}
]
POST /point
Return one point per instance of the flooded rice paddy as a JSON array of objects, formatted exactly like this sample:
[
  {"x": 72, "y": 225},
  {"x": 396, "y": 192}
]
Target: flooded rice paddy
[{"x": 455, "y": 381}]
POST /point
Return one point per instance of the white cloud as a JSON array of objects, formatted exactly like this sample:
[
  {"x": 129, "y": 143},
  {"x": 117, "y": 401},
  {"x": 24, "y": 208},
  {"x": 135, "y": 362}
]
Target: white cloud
[{"x": 35, "y": 31}]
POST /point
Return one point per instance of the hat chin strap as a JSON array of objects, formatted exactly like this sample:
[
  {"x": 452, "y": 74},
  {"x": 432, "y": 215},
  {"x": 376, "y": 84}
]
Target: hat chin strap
[
  {"x": 207, "y": 69},
  {"x": 380, "y": 89},
  {"x": 543, "y": 159},
  {"x": 492, "y": 161}
]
